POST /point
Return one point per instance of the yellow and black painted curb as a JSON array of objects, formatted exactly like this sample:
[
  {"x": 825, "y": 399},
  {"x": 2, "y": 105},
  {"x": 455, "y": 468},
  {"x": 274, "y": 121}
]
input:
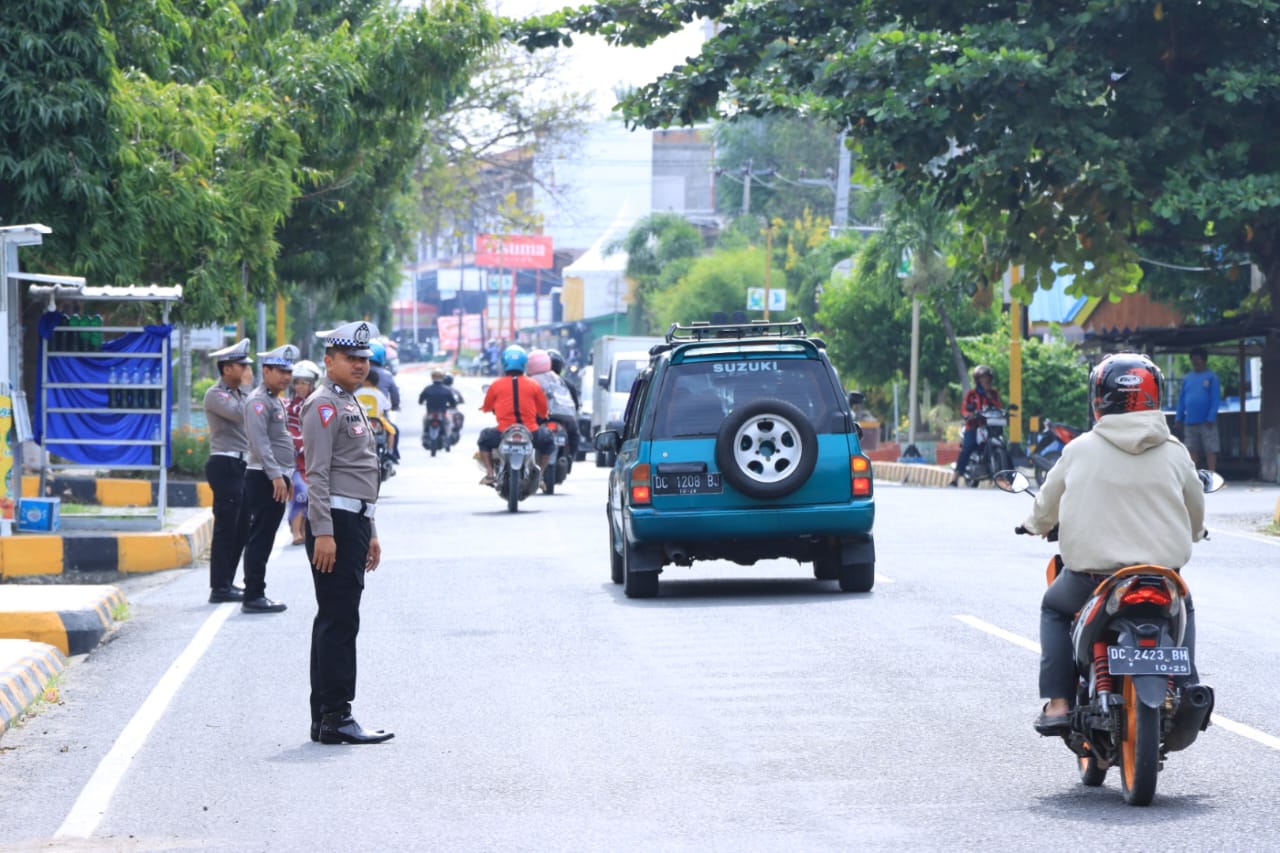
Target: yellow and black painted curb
[
  {"x": 71, "y": 619},
  {"x": 109, "y": 491},
  {"x": 911, "y": 472},
  {"x": 26, "y": 669},
  {"x": 48, "y": 556}
]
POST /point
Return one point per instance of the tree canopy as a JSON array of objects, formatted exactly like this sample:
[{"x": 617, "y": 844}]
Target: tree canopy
[{"x": 1091, "y": 135}]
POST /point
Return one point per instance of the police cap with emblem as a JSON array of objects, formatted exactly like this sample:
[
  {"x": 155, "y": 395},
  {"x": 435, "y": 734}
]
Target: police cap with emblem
[
  {"x": 281, "y": 357},
  {"x": 234, "y": 354},
  {"x": 353, "y": 337}
]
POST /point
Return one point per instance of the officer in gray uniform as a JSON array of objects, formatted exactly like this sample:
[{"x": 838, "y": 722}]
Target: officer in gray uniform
[
  {"x": 341, "y": 541},
  {"x": 268, "y": 482},
  {"x": 228, "y": 453}
]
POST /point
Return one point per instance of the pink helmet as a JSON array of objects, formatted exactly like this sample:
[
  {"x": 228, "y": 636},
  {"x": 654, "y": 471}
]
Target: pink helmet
[{"x": 539, "y": 362}]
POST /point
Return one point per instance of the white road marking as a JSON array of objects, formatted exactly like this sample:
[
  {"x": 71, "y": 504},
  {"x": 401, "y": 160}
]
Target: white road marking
[
  {"x": 1230, "y": 725},
  {"x": 1243, "y": 534},
  {"x": 91, "y": 805}
]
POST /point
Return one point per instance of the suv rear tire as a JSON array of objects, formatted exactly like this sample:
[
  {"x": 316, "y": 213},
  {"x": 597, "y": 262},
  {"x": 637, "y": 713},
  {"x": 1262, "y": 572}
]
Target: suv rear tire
[
  {"x": 857, "y": 577},
  {"x": 615, "y": 559},
  {"x": 752, "y": 437},
  {"x": 636, "y": 584}
]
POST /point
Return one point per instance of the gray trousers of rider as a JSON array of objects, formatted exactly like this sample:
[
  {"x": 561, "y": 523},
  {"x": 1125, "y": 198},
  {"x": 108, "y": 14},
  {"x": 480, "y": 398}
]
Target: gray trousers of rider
[{"x": 1062, "y": 600}]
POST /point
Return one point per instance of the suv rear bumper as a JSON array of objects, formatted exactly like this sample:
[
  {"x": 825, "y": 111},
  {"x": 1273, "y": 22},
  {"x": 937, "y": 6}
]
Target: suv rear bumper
[{"x": 647, "y": 526}]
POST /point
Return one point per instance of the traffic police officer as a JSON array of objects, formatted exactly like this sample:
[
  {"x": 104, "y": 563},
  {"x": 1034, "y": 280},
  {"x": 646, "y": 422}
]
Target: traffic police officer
[
  {"x": 228, "y": 452},
  {"x": 342, "y": 541},
  {"x": 269, "y": 478}
]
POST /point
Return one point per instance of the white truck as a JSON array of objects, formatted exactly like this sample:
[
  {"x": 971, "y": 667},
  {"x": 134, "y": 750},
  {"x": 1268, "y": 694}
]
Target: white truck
[{"x": 615, "y": 362}]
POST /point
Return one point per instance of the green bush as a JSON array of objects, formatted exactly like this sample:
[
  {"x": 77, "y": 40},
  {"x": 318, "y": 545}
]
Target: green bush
[
  {"x": 200, "y": 387},
  {"x": 190, "y": 451}
]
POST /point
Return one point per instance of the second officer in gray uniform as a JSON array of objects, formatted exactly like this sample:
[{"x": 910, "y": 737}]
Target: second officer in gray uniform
[
  {"x": 268, "y": 481},
  {"x": 228, "y": 452},
  {"x": 342, "y": 542}
]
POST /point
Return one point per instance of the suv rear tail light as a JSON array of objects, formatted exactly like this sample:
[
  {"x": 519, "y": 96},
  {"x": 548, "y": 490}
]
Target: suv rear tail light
[
  {"x": 860, "y": 476},
  {"x": 641, "y": 492}
]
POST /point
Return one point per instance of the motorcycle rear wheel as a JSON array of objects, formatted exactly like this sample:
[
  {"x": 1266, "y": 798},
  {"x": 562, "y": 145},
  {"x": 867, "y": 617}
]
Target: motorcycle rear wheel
[
  {"x": 1092, "y": 773},
  {"x": 1139, "y": 749},
  {"x": 513, "y": 489}
]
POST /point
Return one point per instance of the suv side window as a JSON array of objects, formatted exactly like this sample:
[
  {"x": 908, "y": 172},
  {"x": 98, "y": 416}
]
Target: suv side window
[{"x": 636, "y": 405}]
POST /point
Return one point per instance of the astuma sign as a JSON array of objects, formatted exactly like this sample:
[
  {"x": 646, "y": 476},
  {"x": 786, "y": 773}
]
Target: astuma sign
[{"x": 514, "y": 251}]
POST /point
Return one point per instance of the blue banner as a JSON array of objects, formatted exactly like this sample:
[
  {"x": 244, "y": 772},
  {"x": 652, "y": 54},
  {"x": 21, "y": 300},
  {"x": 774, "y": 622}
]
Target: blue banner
[{"x": 84, "y": 431}]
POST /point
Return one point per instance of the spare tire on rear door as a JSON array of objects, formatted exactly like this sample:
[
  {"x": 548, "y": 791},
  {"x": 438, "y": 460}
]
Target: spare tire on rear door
[{"x": 766, "y": 449}]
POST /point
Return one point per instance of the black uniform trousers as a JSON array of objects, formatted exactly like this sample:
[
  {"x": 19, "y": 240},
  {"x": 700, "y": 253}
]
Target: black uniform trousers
[
  {"x": 333, "y": 633},
  {"x": 230, "y": 521},
  {"x": 264, "y": 514}
]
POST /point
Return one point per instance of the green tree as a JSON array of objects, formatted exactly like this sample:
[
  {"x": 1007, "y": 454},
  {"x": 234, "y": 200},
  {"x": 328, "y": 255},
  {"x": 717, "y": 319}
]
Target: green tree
[
  {"x": 1091, "y": 135},
  {"x": 660, "y": 249},
  {"x": 717, "y": 282}
]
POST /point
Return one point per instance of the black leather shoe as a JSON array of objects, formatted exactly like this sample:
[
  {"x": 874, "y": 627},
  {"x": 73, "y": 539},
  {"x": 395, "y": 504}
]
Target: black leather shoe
[
  {"x": 221, "y": 596},
  {"x": 315, "y": 731},
  {"x": 263, "y": 605},
  {"x": 342, "y": 728}
]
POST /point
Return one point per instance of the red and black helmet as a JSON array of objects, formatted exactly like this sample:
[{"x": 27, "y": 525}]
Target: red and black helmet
[{"x": 1125, "y": 382}]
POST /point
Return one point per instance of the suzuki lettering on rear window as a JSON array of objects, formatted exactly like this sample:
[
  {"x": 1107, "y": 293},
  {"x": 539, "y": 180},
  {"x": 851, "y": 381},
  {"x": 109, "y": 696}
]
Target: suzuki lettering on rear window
[{"x": 745, "y": 367}]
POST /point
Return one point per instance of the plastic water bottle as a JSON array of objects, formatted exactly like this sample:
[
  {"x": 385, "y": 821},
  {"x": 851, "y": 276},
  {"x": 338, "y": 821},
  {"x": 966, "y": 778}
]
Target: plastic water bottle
[
  {"x": 113, "y": 393},
  {"x": 157, "y": 392},
  {"x": 157, "y": 452},
  {"x": 128, "y": 378}
]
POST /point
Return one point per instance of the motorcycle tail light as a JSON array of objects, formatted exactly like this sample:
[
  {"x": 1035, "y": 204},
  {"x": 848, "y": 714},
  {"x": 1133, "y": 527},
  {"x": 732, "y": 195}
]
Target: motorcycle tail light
[
  {"x": 641, "y": 492},
  {"x": 860, "y": 476},
  {"x": 1146, "y": 595}
]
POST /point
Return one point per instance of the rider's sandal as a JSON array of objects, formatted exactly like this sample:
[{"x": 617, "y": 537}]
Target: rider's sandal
[
  {"x": 487, "y": 480},
  {"x": 1052, "y": 725}
]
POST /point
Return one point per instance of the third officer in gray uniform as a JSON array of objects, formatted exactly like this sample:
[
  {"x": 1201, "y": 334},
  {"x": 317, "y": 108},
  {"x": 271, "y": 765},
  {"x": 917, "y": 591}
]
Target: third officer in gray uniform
[
  {"x": 268, "y": 481},
  {"x": 228, "y": 452},
  {"x": 341, "y": 542}
]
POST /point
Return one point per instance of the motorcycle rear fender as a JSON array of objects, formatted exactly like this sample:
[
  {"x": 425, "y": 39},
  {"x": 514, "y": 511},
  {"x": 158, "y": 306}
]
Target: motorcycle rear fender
[{"x": 1151, "y": 689}]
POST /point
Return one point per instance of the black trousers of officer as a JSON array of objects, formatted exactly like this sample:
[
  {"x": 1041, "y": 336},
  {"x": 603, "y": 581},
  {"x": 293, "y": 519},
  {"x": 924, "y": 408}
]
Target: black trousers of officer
[
  {"x": 265, "y": 513},
  {"x": 333, "y": 633},
  {"x": 230, "y": 521}
]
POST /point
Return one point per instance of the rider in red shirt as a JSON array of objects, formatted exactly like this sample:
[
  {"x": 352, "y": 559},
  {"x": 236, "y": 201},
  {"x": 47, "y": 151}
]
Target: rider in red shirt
[
  {"x": 514, "y": 397},
  {"x": 982, "y": 395}
]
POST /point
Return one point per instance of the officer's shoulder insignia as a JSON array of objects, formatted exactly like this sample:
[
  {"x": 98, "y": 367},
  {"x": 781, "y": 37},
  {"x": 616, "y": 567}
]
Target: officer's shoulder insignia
[
  {"x": 258, "y": 407},
  {"x": 326, "y": 413}
]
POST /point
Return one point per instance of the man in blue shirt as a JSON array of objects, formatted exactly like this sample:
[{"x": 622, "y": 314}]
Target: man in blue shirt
[{"x": 1198, "y": 411}]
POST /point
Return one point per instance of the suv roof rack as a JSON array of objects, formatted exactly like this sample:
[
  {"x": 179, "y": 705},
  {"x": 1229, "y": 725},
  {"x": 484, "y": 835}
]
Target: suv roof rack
[{"x": 703, "y": 330}]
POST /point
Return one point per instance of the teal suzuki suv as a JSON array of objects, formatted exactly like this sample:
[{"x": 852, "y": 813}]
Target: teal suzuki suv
[{"x": 738, "y": 443}]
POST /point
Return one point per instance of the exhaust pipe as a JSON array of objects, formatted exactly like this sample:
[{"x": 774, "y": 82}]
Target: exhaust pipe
[{"x": 1191, "y": 718}]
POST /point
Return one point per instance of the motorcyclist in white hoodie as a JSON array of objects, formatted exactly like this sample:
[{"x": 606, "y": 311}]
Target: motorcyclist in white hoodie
[{"x": 1125, "y": 493}]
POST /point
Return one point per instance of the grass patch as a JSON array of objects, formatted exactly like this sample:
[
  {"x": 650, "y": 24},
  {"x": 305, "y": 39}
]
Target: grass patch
[
  {"x": 1270, "y": 530},
  {"x": 51, "y": 695},
  {"x": 120, "y": 611}
]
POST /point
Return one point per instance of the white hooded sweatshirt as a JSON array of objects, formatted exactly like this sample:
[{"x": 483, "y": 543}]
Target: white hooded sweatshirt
[{"x": 1126, "y": 492}]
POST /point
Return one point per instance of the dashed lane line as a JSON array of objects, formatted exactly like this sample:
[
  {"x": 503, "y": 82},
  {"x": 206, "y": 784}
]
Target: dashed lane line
[{"x": 1230, "y": 725}]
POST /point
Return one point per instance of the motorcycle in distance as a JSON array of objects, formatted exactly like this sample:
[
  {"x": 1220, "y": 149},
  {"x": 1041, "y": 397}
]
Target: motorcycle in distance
[
  {"x": 1130, "y": 709},
  {"x": 515, "y": 471},
  {"x": 992, "y": 453},
  {"x": 386, "y": 466},
  {"x": 435, "y": 432},
  {"x": 559, "y": 462},
  {"x": 456, "y": 419},
  {"x": 1052, "y": 438}
]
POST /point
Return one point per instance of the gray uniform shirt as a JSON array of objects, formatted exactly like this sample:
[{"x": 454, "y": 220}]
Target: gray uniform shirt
[
  {"x": 342, "y": 455},
  {"x": 270, "y": 446},
  {"x": 224, "y": 410}
]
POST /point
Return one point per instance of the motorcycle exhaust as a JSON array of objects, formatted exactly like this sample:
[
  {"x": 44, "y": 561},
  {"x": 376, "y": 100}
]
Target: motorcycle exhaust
[{"x": 1192, "y": 717}]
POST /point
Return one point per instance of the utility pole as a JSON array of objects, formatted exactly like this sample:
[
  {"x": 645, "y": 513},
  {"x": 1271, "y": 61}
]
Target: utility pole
[
  {"x": 841, "y": 216},
  {"x": 768, "y": 258},
  {"x": 746, "y": 189}
]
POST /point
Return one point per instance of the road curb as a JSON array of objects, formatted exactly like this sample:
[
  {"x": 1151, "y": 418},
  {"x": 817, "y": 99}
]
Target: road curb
[
  {"x": 910, "y": 472},
  {"x": 67, "y": 558},
  {"x": 109, "y": 491},
  {"x": 71, "y": 618},
  {"x": 26, "y": 668}
]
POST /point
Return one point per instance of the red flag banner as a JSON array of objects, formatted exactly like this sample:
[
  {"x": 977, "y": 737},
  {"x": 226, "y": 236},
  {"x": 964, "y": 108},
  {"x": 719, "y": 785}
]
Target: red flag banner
[{"x": 514, "y": 251}]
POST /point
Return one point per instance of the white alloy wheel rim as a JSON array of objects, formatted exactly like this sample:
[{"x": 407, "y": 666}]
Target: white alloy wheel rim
[{"x": 767, "y": 448}]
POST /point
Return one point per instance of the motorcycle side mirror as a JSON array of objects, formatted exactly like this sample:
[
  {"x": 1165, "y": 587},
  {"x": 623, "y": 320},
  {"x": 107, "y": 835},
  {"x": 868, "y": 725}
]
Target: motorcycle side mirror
[
  {"x": 1011, "y": 481},
  {"x": 607, "y": 441},
  {"x": 1211, "y": 480},
  {"x": 603, "y": 381}
]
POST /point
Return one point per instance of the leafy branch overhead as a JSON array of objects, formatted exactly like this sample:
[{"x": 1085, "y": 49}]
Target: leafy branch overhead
[{"x": 1093, "y": 135}]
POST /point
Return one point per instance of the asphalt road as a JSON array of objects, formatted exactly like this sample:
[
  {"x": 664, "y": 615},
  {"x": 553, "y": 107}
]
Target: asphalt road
[{"x": 536, "y": 708}]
